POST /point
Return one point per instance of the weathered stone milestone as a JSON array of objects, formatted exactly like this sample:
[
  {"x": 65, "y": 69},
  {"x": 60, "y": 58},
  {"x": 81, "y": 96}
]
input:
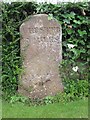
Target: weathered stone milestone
[{"x": 41, "y": 50}]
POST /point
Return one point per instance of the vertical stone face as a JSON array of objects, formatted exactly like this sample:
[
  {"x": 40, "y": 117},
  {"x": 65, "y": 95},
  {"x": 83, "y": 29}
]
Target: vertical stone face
[{"x": 41, "y": 50}]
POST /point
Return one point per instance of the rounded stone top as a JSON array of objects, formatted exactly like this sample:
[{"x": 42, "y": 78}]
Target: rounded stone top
[{"x": 40, "y": 15}]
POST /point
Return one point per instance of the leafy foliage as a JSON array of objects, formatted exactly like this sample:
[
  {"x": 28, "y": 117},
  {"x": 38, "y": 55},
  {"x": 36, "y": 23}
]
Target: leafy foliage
[{"x": 74, "y": 18}]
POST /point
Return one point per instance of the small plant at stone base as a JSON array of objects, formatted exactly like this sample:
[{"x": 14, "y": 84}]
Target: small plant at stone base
[
  {"x": 74, "y": 90},
  {"x": 48, "y": 100},
  {"x": 36, "y": 102},
  {"x": 18, "y": 98},
  {"x": 59, "y": 98}
]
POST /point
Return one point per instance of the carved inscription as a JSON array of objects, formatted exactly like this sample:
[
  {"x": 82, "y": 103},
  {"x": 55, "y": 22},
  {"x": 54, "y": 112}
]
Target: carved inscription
[{"x": 44, "y": 29}]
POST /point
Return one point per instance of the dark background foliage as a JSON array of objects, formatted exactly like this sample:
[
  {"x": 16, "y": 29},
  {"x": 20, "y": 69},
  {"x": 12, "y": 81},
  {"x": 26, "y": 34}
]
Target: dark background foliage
[{"x": 75, "y": 21}]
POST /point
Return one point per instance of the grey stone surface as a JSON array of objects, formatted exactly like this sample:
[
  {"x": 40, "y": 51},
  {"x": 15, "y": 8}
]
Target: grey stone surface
[{"x": 41, "y": 49}]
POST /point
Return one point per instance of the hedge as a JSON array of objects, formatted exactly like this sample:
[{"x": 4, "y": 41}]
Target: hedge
[{"x": 75, "y": 21}]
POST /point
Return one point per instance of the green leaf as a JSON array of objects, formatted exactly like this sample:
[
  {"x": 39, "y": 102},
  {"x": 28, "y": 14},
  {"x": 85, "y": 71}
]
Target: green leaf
[
  {"x": 81, "y": 33},
  {"x": 69, "y": 31},
  {"x": 50, "y": 16},
  {"x": 67, "y": 21},
  {"x": 72, "y": 14},
  {"x": 77, "y": 22}
]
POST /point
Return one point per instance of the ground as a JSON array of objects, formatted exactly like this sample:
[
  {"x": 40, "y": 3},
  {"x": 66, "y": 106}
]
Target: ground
[{"x": 76, "y": 109}]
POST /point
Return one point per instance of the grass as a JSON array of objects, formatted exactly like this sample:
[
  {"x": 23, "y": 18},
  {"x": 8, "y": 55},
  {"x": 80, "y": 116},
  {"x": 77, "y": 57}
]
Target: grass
[{"x": 76, "y": 109}]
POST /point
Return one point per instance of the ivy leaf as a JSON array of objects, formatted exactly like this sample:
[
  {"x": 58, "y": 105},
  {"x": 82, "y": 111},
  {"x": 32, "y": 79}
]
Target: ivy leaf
[
  {"x": 72, "y": 14},
  {"x": 69, "y": 31},
  {"x": 81, "y": 33},
  {"x": 76, "y": 52},
  {"x": 69, "y": 16},
  {"x": 50, "y": 16},
  {"x": 67, "y": 21},
  {"x": 77, "y": 22},
  {"x": 88, "y": 46}
]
